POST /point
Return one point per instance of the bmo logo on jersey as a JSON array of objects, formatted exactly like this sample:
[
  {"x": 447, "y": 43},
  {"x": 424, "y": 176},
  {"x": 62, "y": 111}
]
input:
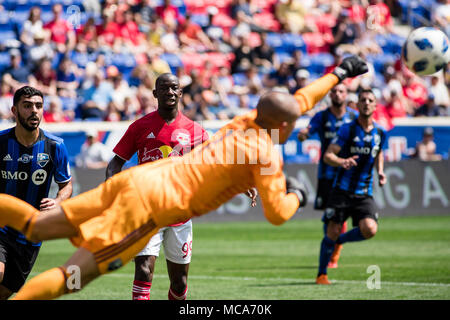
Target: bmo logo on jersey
[
  {"x": 16, "y": 175},
  {"x": 39, "y": 176},
  {"x": 360, "y": 150}
]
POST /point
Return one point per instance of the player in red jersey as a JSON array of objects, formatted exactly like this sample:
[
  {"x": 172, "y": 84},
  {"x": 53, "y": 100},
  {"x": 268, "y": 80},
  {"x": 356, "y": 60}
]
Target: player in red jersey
[{"x": 163, "y": 133}]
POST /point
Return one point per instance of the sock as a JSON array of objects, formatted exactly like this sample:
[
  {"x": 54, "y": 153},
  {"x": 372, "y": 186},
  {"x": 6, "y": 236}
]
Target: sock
[
  {"x": 48, "y": 285},
  {"x": 17, "y": 213},
  {"x": 326, "y": 249},
  {"x": 176, "y": 296},
  {"x": 344, "y": 227},
  {"x": 325, "y": 227},
  {"x": 308, "y": 96},
  {"x": 141, "y": 290},
  {"x": 351, "y": 236}
]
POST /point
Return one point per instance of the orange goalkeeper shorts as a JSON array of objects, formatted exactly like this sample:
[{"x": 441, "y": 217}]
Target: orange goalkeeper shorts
[{"x": 112, "y": 222}]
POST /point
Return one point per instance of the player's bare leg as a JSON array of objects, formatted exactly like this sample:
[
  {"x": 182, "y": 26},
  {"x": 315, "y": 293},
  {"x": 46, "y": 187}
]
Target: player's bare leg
[
  {"x": 143, "y": 277},
  {"x": 178, "y": 274},
  {"x": 35, "y": 225},
  {"x": 5, "y": 293},
  {"x": 56, "y": 282},
  {"x": 368, "y": 227}
]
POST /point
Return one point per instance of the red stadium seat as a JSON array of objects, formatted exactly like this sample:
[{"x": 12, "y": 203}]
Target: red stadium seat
[
  {"x": 316, "y": 42},
  {"x": 223, "y": 20},
  {"x": 267, "y": 20}
]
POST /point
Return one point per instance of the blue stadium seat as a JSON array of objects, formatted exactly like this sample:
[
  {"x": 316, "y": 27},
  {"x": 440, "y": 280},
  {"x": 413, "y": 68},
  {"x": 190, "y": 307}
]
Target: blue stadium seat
[
  {"x": 124, "y": 62},
  {"x": 253, "y": 100},
  {"x": 239, "y": 79},
  {"x": 68, "y": 103},
  {"x": 5, "y": 60},
  {"x": 79, "y": 58},
  {"x": 20, "y": 16},
  {"x": 275, "y": 40},
  {"x": 200, "y": 19},
  {"x": 380, "y": 60},
  {"x": 319, "y": 62},
  {"x": 295, "y": 42},
  {"x": 173, "y": 60},
  {"x": 284, "y": 56},
  {"x": 233, "y": 100},
  {"x": 46, "y": 16},
  {"x": 6, "y": 36}
]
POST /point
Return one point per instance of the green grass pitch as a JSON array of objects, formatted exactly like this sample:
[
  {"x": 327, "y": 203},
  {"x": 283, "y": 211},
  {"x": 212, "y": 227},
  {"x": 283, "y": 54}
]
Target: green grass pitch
[{"x": 255, "y": 260}]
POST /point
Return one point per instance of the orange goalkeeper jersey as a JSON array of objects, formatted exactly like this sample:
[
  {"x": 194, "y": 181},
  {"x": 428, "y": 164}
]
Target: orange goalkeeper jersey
[{"x": 239, "y": 156}]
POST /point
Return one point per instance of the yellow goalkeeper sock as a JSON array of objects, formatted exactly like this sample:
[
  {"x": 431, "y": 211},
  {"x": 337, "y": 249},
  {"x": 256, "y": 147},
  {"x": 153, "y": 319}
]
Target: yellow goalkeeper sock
[
  {"x": 17, "y": 214},
  {"x": 308, "y": 96},
  {"x": 48, "y": 285}
]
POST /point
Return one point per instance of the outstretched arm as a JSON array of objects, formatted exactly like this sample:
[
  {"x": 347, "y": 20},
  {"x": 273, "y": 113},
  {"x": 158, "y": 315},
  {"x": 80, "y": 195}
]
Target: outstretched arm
[{"x": 308, "y": 96}]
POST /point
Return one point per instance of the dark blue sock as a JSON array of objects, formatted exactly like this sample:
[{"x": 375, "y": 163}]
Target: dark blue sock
[
  {"x": 325, "y": 227},
  {"x": 351, "y": 236},
  {"x": 326, "y": 249}
]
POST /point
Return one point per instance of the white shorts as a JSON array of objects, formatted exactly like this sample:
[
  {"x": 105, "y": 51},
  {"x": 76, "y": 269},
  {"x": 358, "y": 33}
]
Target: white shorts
[{"x": 177, "y": 243}]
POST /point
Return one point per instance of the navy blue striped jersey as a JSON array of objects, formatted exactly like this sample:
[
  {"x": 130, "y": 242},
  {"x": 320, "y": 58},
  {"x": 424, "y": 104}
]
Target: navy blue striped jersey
[
  {"x": 353, "y": 140},
  {"x": 326, "y": 125},
  {"x": 27, "y": 172}
]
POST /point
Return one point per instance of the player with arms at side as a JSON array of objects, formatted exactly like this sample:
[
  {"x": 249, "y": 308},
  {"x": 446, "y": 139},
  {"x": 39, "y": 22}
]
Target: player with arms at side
[
  {"x": 29, "y": 158},
  {"x": 113, "y": 222},
  {"x": 326, "y": 124},
  {"x": 163, "y": 133},
  {"x": 356, "y": 149}
]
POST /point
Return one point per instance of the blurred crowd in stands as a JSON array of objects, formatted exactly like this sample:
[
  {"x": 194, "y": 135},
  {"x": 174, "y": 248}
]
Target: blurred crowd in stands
[{"x": 98, "y": 60}]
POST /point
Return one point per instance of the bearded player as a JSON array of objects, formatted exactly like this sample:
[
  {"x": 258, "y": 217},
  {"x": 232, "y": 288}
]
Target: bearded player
[{"x": 326, "y": 124}]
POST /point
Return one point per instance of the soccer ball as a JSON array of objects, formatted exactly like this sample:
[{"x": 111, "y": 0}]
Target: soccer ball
[{"x": 426, "y": 51}]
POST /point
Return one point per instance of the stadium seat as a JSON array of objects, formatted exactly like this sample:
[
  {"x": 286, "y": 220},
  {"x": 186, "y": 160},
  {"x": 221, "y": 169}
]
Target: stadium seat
[
  {"x": 253, "y": 100},
  {"x": 223, "y": 20},
  {"x": 5, "y": 60},
  {"x": 315, "y": 42},
  {"x": 239, "y": 79},
  {"x": 233, "y": 100},
  {"x": 320, "y": 61},
  {"x": 6, "y": 36},
  {"x": 80, "y": 58},
  {"x": 68, "y": 103},
  {"x": 20, "y": 16},
  {"x": 284, "y": 56},
  {"x": 275, "y": 40},
  {"x": 173, "y": 60},
  {"x": 192, "y": 61},
  {"x": 380, "y": 60},
  {"x": 267, "y": 20},
  {"x": 294, "y": 42},
  {"x": 200, "y": 19}
]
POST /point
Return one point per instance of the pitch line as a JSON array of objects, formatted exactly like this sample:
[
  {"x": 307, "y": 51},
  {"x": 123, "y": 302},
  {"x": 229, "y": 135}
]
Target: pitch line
[{"x": 227, "y": 278}]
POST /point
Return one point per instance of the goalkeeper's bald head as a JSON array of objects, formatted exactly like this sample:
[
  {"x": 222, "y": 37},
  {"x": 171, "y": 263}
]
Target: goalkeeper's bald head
[{"x": 277, "y": 110}]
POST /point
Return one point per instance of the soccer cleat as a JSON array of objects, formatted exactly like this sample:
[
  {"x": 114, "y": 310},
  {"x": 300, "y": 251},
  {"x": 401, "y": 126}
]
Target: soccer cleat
[{"x": 322, "y": 279}]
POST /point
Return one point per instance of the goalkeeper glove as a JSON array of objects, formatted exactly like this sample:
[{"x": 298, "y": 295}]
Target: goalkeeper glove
[
  {"x": 350, "y": 67},
  {"x": 294, "y": 186}
]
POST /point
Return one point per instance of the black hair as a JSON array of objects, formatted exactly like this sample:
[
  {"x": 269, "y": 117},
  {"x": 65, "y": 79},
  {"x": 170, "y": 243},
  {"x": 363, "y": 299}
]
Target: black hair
[
  {"x": 26, "y": 92},
  {"x": 366, "y": 90}
]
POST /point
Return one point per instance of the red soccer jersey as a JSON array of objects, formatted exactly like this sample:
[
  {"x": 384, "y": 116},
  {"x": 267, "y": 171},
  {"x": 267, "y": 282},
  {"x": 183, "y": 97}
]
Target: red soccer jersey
[{"x": 152, "y": 138}]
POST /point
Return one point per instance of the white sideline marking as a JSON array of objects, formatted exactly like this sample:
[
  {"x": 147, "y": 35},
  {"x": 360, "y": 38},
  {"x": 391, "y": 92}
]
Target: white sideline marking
[{"x": 225, "y": 278}]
